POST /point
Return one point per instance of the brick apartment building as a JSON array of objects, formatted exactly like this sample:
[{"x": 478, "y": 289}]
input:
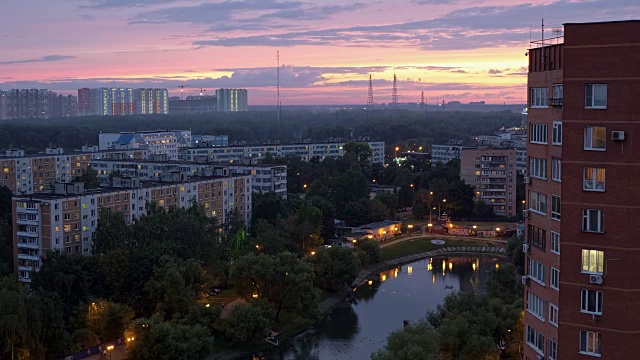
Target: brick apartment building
[
  {"x": 581, "y": 285},
  {"x": 492, "y": 173}
]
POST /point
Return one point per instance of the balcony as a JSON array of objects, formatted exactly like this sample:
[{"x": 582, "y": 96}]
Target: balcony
[
  {"x": 28, "y": 234},
  {"x": 28, "y": 245},
  {"x": 556, "y": 102},
  {"x": 28, "y": 257}
]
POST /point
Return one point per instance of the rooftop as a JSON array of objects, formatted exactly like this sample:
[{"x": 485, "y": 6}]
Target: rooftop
[{"x": 380, "y": 224}]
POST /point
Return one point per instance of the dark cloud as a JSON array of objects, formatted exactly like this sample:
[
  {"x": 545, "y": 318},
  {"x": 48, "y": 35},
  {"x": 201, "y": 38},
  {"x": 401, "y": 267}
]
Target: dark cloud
[
  {"x": 123, "y": 3},
  {"x": 494, "y": 71},
  {"x": 48, "y": 58},
  {"x": 462, "y": 29}
]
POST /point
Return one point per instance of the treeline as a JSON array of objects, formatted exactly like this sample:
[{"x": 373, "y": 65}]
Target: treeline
[{"x": 394, "y": 127}]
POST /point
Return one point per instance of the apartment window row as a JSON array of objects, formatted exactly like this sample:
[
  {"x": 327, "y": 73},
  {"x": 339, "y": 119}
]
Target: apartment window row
[
  {"x": 537, "y": 236},
  {"x": 555, "y": 207},
  {"x": 592, "y": 261},
  {"x": 536, "y": 271},
  {"x": 535, "y": 339},
  {"x": 555, "y": 242},
  {"x": 538, "y": 202},
  {"x": 539, "y": 133},
  {"x": 556, "y": 136},
  {"x": 535, "y": 305},
  {"x": 539, "y": 98},
  {"x": 590, "y": 342},
  {"x": 593, "y": 179},
  {"x": 538, "y": 168},
  {"x": 595, "y": 138},
  {"x": 592, "y": 220},
  {"x": 556, "y": 169},
  {"x": 591, "y": 301}
]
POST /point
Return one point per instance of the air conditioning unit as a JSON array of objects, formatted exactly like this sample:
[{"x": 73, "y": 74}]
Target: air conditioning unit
[
  {"x": 526, "y": 214},
  {"x": 527, "y": 180},
  {"x": 617, "y": 135},
  {"x": 525, "y": 248},
  {"x": 525, "y": 280},
  {"x": 595, "y": 279}
]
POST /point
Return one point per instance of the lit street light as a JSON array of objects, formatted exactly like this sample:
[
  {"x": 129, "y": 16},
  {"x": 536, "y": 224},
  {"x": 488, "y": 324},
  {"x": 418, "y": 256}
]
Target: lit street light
[{"x": 110, "y": 348}]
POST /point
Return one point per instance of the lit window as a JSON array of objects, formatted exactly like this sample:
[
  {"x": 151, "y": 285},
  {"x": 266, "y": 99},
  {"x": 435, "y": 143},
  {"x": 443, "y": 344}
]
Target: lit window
[
  {"x": 67, "y": 228},
  {"x": 590, "y": 342},
  {"x": 592, "y": 261},
  {"x": 595, "y": 138},
  {"x": 595, "y": 96},
  {"x": 593, "y": 179}
]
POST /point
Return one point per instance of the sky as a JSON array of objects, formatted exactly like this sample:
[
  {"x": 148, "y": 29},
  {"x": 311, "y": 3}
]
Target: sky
[{"x": 462, "y": 50}]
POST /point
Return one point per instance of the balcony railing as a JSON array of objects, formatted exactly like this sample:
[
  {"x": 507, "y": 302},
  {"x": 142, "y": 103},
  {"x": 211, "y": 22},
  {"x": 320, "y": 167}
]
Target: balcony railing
[{"x": 556, "y": 101}]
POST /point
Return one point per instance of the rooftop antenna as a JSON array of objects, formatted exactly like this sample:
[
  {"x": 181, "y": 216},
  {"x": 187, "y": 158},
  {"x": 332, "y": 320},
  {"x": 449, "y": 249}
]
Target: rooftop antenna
[
  {"x": 370, "y": 95},
  {"x": 278, "y": 82},
  {"x": 394, "y": 92}
]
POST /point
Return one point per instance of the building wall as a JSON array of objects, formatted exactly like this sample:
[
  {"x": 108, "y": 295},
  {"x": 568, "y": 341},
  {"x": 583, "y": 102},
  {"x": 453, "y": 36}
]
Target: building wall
[
  {"x": 67, "y": 223},
  {"x": 492, "y": 173},
  {"x": 606, "y": 53},
  {"x": 232, "y": 100}
]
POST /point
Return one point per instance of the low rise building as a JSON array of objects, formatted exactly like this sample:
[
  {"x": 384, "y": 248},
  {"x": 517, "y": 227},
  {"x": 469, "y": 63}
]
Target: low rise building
[
  {"x": 443, "y": 153},
  {"x": 158, "y": 142},
  {"x": 29, "y": 174},
  {"x": 306, "y": 151},
  {"x": 66, "y": 219}
]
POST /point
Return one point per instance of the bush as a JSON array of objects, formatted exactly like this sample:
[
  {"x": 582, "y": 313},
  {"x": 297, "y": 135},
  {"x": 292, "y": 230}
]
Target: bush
[
  {"x": 368, "y": 252},
  {"x": 246, "y": 322}
]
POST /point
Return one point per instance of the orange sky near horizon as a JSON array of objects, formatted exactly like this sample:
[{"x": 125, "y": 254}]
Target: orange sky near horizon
[{"x": 464, "y": 50}]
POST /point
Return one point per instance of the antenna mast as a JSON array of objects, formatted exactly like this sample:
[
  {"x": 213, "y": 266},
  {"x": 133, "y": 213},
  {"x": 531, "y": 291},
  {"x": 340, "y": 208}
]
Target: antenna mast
[
  {"x": 370, "y": 95},
  {"x": 422, "y": 100},
  {"x": 394, "y": 93},
  {"x": 278, "y": 82}
]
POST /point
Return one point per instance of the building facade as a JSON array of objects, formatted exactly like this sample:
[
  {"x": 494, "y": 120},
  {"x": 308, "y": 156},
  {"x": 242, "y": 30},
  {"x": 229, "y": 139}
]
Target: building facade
[
  {"x": 35, "y": 104},
  {"x": 580, "y": 288},
  {"x": 3, "y": 106},
  {"x": 264, "y": 177},
  {"x": 66, "y": 220},
  {"x": 444, "y": 153},
  {"x": 34, "y": 174},
  {"x": 232, "y": 100},
  {"x": 158, "y": 142},
  {"x": 306, "y": 151},
  {"x": 122, "y": 101},
  {"x": 193, "y": 104},
  {"x": 492, "y": 174}
]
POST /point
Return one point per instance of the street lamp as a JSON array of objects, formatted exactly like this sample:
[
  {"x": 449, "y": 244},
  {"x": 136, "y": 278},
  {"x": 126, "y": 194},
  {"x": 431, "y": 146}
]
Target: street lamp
[
  {"x": 110, "y": 348},
  {"x": 430, "y": 198},
  {"x": 397, "y": 149},
  {"x": 439, "y": 210}
]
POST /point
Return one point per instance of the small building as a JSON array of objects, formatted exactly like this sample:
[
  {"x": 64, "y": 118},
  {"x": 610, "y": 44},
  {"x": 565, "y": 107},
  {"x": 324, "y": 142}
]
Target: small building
[{"x": 378, "y": 231}]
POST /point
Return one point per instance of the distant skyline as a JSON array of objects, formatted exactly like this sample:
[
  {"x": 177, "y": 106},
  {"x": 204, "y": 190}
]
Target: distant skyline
[{"x": 456, "y": 50}]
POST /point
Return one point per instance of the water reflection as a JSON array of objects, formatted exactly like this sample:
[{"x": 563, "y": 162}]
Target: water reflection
[{"x": 382, "y": 302}]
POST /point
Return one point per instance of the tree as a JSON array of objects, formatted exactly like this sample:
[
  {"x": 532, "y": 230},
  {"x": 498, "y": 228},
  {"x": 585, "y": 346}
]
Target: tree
[
  {"x": 89, "y": 177},
  {"x": 515, "y": 253},
  {"x": 155, "y": 339},
  {"x": 504, "y": 284},
  {"x": 418, "y": 341},
  {"x": 483, "y": 210},
  {"x": 460, "y": 198},
  {"x": 6, "y": 233},
  {"x": 361, "y": 150},
  {"x": 173, "y": 286},
  {"x": 349, "y": 186},
  {"x": 335, "y": 268},
  {"x": 245, "y": 322},
  {"x": 358, "y": 213},
  {"x": 105, "y": 319},
  {"x": 368, "y": 252},
  {"x": 282, "y": 279},
  {"x": 389, "y": 199},
  {"x": 380, "y": 212}
]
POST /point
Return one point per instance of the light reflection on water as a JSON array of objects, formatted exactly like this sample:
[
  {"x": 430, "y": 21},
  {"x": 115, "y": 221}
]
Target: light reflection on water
[{"x": 354, "y": 331}]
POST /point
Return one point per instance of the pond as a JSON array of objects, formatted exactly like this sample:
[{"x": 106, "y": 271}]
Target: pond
[{"x": 353, "y": 331}]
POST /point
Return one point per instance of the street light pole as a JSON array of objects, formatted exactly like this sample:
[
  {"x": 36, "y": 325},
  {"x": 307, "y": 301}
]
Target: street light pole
[{"x": 430, "y": 199}]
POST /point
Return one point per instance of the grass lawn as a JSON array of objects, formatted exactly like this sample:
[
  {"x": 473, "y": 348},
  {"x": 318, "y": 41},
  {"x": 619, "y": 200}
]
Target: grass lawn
[{"x": 416, "y": 246}]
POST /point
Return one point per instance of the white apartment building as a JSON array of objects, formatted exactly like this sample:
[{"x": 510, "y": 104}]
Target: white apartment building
[
  {"x": 264, "y": 177},
  {"x": 306, "y": 151},
  {"x": 158, "y": 142}
]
